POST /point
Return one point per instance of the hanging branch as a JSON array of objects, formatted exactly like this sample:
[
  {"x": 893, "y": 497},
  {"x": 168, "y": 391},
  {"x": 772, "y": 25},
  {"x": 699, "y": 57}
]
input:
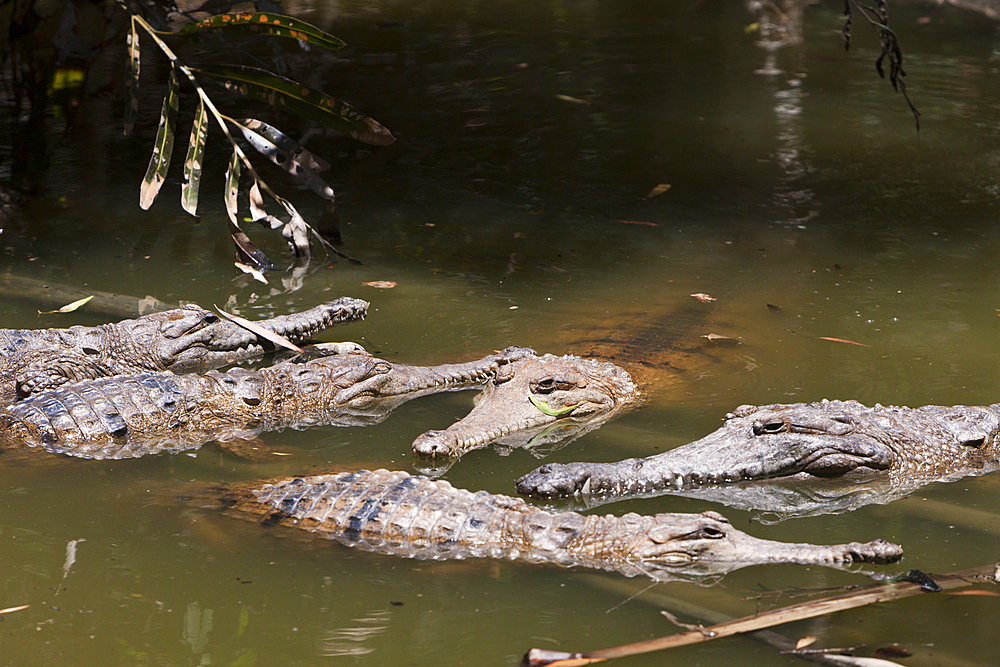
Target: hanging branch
[
  {"x": 878, "y": 18},
  {"x": 269, "y": 88}
]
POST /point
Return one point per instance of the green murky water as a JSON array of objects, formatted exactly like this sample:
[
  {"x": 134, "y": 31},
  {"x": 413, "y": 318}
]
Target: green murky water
[{"x": 801, "y": 198}]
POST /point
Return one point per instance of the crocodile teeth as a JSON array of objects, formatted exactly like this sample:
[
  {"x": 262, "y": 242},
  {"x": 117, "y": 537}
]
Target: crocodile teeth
[{"x": 586, "y": 487}]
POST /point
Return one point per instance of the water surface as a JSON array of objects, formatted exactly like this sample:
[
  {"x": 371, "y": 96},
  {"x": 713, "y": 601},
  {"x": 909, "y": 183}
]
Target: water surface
[{"x": 513, "y": 210}]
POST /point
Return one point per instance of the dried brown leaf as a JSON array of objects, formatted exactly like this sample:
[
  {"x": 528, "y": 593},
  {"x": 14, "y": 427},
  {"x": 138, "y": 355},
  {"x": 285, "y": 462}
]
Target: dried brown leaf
[
  {"x": 658, "y": 190},
  {"x": 638, "y": 222},
  {"x": 805, "y": 641},
  {"x": 842, "y": 340},
  {"x": 381, "y": 284},
  {"x": 704, "y": 298},
  {"x": 893, "y": 651},
  {"x": 10, "y": 609},
  {"x": 266, "y": 334}
]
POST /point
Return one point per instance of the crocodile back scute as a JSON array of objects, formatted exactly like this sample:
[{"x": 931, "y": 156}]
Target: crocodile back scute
[
  {"x": 93, "y": 419},
  {"x": 395, "y": 513}
]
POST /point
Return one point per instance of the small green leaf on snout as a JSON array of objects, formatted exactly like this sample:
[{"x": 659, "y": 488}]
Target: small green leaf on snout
[{"x": 544, "y": 407}]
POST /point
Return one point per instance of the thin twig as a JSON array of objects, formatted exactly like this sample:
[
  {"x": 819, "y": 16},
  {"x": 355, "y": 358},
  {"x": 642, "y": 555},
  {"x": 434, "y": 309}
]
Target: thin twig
[{"x": 866, "y": 596}]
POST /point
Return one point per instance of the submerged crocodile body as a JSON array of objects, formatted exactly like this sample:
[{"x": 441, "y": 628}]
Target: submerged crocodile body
[
  {"x": 416, "y": 517},
  {"x": 133, "y": 415},
  {"x": 860, "y": 454},
  {"x": 181, "y": 340}
]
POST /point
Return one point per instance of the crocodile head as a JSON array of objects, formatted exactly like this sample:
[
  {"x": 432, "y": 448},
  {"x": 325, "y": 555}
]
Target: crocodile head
[
  {"x": 672, "y": 546},
  {"x": 183, "y": 337},
  {"x": 191, "y": 337},
  {"x": 829, "y": 439},
  {"x": 532, "y": 399}
]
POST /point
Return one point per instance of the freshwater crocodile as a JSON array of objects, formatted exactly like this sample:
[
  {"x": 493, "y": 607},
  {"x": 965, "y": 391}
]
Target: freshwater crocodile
[
  {"x": 538, "y": 403},
  {"x": 126, "y": 416},
  {"x": 416, "y": 517},
  {"x": 883, "y": 452},
  {"x": 181, "y": 340},
  {"x": 544, "y": 403}
]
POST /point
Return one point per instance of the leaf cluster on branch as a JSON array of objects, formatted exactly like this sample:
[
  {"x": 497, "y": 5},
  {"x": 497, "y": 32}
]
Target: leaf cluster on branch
[{"x": 272, "y": 89}]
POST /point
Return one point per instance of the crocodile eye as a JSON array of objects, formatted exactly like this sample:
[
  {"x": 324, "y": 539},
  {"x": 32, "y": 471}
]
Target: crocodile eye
[
  {"x": 769, "y": 427},
  {"x": 551, "y": 384},
  {"x": 708, "y": 533}
]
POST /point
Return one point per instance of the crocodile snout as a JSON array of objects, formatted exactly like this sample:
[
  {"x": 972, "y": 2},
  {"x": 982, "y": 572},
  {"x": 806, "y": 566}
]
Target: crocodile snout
[{"x": 435, "y": 443}]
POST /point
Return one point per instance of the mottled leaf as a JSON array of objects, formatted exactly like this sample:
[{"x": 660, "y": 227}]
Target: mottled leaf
[
  {"x": 132, "y": 80},
  {"x": 257, "y": 212},
  {"x": 193, "y": 160},
  {"x": 250, "y": 255},
  {"x": 287, "y": 154},
  {"x": 296, "y": 231},
  {"x": 233, "y": 188},
  {"x": 306, "y": 102},
  {"x": 381, "y": 284},
  {"x": 262, "y": 23},
  {"x": 159, "y": 162}
]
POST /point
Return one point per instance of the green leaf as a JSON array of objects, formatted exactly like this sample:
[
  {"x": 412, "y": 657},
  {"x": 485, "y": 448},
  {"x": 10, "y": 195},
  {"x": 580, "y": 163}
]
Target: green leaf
[
  {"x": 306, "y": 102},
  {"x": 262, "y": 23},
  {"x": 552, "y": 412},
  {"x": 132, "y": 80},
  {"x": 287, "y": 154},
  {"x": 193, "y": 160},
  {"x": 159, "y": 162}
]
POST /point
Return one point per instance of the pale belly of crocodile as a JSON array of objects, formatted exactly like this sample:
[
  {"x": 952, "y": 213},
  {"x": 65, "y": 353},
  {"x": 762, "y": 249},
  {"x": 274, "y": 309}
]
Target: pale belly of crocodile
[
  {"x": 416, "y": 517},
  {"x": 106, "y": 418}
]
